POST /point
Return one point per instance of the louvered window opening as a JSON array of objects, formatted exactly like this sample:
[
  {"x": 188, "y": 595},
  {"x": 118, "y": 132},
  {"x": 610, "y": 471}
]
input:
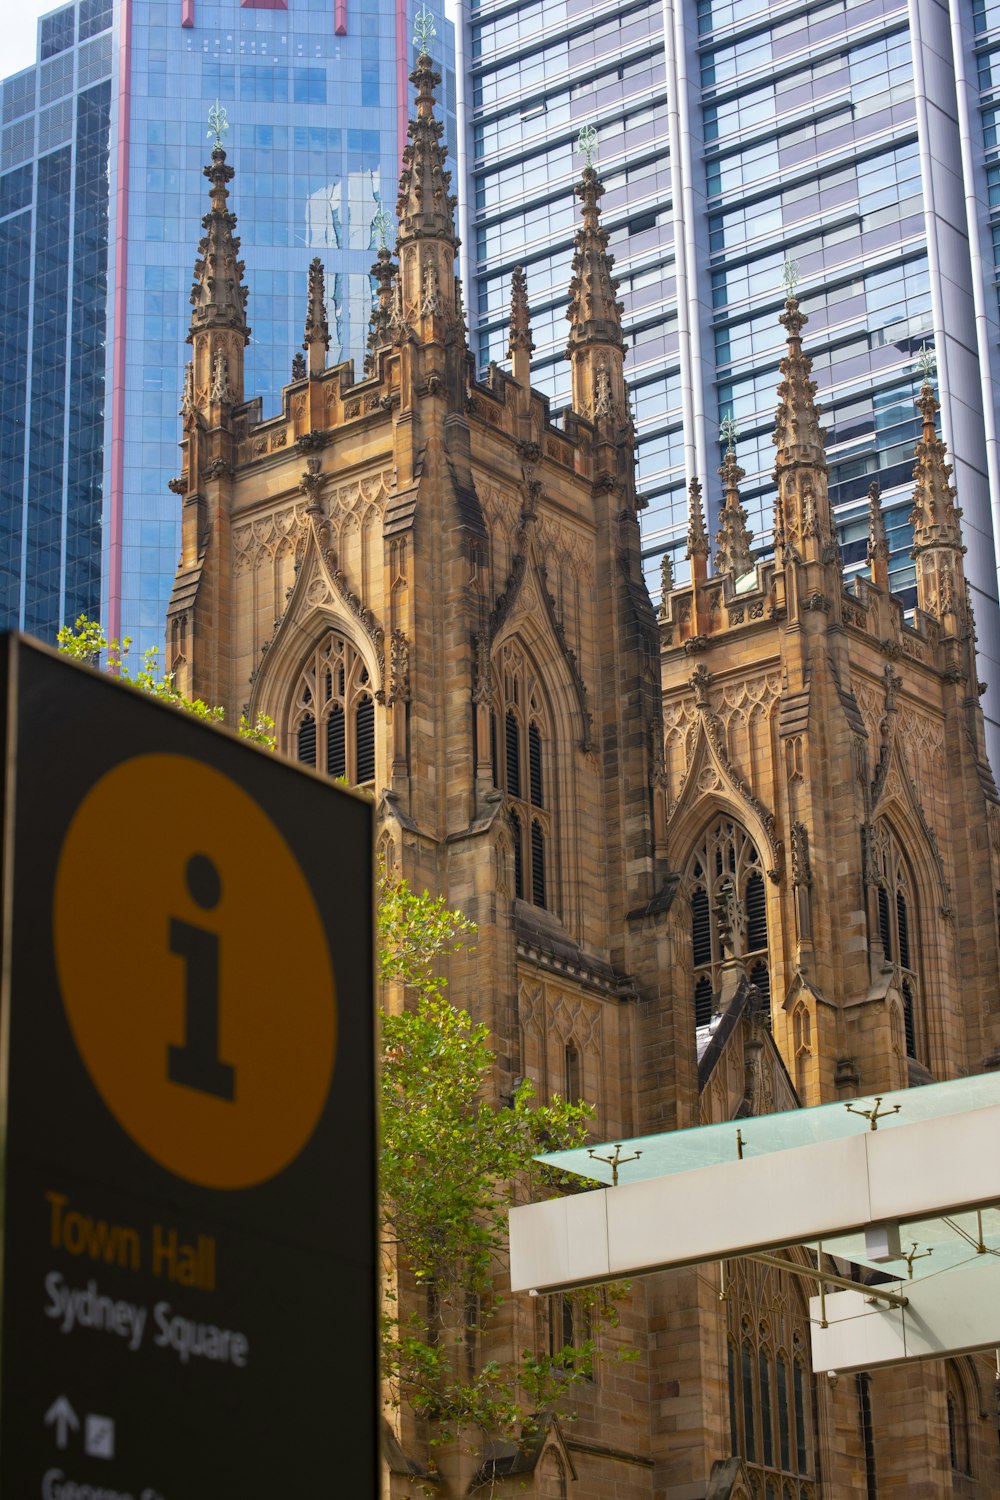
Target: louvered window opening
[
  {"x": 726, "y": 854},
  {"x": 896, "y": 927},
  {"x": 521, "y": 767},
  {"x": 770, "y": 1394},
  {"x": 332, "y": 723},
  {"x": 518, "y": 856}
]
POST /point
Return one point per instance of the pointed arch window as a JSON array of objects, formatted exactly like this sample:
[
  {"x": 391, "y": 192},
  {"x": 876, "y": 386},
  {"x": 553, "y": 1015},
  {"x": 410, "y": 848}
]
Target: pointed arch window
[
  {"x": 332, "y": 722},
  {"x": 897, "y": 932},
  {"x": 770, "y": 1392},
  {"x": 728, "y": 898},
  {"x": 521, "y": 752}
]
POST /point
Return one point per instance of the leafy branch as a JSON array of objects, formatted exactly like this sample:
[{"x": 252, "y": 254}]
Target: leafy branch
[{"x": 86, "y": 641}]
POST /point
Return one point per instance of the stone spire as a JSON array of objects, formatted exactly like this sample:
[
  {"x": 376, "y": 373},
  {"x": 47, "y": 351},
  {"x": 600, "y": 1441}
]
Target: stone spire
[
  {"x": 426, "y": 302},
  {"x": 803, "y": 521},
  {"x": 595, "y": 344},
  {"x": 425, "y": 208},
  {"x": 520, "y": 344},
  {"x": 697, "y": 536},
  {"x": 878, "y": 542},
  {"x": 317, "y": 339},
  {"x": 734, "y": 555},
  {"x": 935, "y": 518},
  {"x": 218, "y": 331}
]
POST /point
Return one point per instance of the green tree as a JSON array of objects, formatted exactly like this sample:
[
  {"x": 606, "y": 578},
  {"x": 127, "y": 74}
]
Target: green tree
[{"x": 449, "y": 1160}]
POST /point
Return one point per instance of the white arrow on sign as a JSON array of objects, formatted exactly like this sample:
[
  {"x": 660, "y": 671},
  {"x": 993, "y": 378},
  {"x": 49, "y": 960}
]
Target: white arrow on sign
[{"x": 65, "y": 1420}]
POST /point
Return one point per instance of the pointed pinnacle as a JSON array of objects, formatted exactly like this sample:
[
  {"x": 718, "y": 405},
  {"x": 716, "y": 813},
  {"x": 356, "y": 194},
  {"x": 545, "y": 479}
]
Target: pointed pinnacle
[
  {"x": 520, "y": 313},
  {"x": 379, "y": 324},
  {"x": 317, "y": 325},
  {"x": 878, "y": 542},
  {"x": 697, "y": 536},
  {"x": 425, "y": 208},
  {"x": 594, "y": 312},
  {"x": 935, "y": 516},
  {"x": 735, "y": 554},
  {"x": 218, "y": 296},
  {"x": 797, "y": 433},
  {"x": 666, "y": 581}
]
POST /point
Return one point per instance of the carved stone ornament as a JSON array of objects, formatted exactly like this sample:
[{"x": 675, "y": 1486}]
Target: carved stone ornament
[
  {"x": 602, "y": 392},
  {"x": 430, "y": 302},
  {"x": 220, "y": 379},
  {"x": 801, "y": 867},
  {"x": 482, "y": 691},
  {"x": 311, "y": 483},
  {"x": 737, "y": 785},
  {"x": 218, "y": 469},
  {"x": 399, "y": 668}
]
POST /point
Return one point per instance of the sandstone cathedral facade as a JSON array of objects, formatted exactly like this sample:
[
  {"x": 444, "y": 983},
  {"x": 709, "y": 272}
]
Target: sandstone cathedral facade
[{"x": 733, "y": 853}]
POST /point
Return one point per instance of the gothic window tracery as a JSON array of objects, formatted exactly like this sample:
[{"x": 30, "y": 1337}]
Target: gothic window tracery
[
  {"x": 728, "y": 913},
  {"x": 520, "y": 748},
  {"x": 332, "y": 720},
  {"x": 770, "y": 1387},
  {"x": 895, "y": 896}
]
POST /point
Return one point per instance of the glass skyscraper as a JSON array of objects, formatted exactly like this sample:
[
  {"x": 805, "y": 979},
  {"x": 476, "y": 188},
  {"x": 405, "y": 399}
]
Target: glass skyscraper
[
  {"x": 101, "y": 199},
  {"x": 857, "y": 139}
]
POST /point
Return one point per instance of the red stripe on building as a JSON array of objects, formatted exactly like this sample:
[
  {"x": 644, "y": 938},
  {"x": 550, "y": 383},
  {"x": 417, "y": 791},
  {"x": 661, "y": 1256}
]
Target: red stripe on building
[
  {"x": 340, "y": 17},
  {"x": 116, "y": 499}
]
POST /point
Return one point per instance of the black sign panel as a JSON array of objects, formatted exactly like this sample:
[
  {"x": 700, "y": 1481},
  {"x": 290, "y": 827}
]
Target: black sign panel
[{"x": 187, "y": 1092}]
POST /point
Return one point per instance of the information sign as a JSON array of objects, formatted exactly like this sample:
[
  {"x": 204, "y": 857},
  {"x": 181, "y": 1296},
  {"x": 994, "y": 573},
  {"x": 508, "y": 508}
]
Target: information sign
[{"x": 187, "y": 1096}]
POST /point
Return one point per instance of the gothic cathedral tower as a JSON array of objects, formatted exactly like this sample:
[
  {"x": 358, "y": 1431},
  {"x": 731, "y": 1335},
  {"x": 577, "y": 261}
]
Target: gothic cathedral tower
[{"x": 741, "y": 857}]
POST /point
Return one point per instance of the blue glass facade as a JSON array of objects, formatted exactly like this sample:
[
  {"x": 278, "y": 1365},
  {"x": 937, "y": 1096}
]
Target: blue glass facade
[
  {"x": 732, "y": 137},
  {"x": 98, "y": 237},
  {"x": 54, "y": 231}
]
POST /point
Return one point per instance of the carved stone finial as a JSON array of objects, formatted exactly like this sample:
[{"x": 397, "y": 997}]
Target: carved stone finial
[
  {"x": 520, "y": 314},
  {"x": 666, "y": 581},
  {"x": 878, "y": 542},
  {"x": 317, "y": 330},
  {"x": 937, "y": 534},
  {"x": 697, "y": 536},
  {"x": 735, "y": 553}
]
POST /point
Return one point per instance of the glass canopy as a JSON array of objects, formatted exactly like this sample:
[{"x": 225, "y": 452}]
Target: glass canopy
[{"x": 711, "y": 1145}]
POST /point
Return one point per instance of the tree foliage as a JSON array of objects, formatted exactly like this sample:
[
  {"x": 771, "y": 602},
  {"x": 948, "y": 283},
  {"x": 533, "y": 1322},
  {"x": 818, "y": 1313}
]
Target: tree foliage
[
  {"x": 87, "y": 642},
  {"x": 450, "y": 1157}
]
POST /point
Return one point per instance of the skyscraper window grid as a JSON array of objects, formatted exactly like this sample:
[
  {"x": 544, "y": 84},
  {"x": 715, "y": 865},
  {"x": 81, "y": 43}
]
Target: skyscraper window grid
[
  {"x": 88, "y": 523},
  {"x": 810, "y": 131}
]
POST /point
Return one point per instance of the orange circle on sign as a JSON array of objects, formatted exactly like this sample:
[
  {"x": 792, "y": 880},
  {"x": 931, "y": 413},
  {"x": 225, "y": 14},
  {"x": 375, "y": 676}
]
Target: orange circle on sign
[{"x": 195, "y": 971}]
